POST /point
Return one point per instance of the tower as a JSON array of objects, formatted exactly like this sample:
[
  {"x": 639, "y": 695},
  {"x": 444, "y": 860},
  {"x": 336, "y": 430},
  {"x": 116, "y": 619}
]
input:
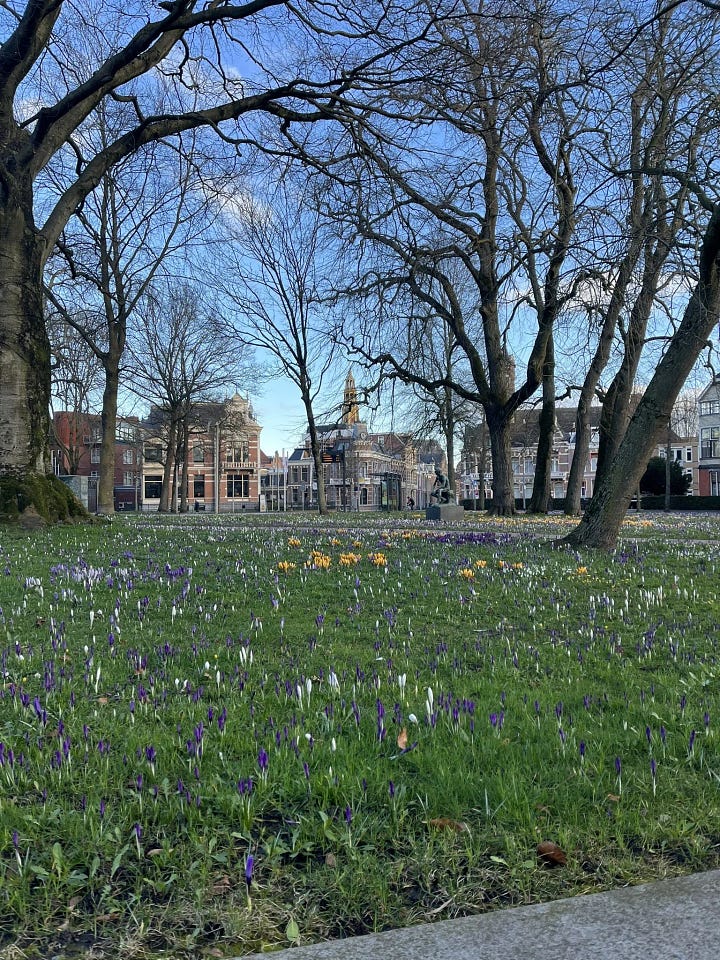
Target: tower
[{"x": 350, "y": 407}]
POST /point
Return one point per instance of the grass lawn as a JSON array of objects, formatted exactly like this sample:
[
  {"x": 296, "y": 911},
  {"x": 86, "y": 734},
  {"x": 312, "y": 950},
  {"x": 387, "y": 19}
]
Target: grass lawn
[{"x": 221, "y": 734}]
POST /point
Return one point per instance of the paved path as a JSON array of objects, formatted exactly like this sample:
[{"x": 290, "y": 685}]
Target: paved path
[{"x": 670, "y": 920}]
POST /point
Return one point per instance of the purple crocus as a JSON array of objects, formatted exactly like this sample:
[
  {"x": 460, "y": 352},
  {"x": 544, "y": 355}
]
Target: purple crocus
[{"x": 249, "y": 865}]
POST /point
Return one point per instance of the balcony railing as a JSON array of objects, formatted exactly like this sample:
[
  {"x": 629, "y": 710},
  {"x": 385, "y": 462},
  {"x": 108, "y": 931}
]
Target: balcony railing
[{"x": 240, "y": 464}]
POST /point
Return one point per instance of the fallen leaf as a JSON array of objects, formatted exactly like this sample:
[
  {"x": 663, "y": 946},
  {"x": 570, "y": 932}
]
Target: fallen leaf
[
  {"x": 222, "y": 885},
  {"x": 330, "y": 860},
  {"x": 551, "y": 854},
  {"x": 73, "y": 902},
  {"x": 102, "y": 700},
  {"x": 402, "y": 739},
  {"x": 614, "y": 797},
  {"x": 446, "y": 823}
]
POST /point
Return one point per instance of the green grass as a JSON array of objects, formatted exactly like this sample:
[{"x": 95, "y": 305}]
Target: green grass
[{"x": 416, "y": 713}]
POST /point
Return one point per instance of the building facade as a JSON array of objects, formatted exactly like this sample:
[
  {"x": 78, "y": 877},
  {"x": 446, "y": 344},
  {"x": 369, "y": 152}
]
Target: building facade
[
  {"x": 709, "y": 434},
  {"x": 362, "y": 471},
  {"x": 476, "y": 466},
  {"x": 222, "y": 472},
  {"x": 75, "y": 452}
]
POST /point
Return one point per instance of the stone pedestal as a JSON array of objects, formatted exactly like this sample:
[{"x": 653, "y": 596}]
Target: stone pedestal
[{"x": 444, "y": 511}]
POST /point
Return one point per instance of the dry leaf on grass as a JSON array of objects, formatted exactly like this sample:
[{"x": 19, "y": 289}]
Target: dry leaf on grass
[
  {"x": 551, "y": 854},
  {"x": 446, "y": 823}
]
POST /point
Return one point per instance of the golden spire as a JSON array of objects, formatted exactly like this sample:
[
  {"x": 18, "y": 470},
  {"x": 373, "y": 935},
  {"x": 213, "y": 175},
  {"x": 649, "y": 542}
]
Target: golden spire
[{"x": 350, "y": 407}]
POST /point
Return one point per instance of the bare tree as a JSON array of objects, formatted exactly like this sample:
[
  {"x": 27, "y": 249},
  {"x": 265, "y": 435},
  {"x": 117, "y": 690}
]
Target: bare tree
[
  {"x": 277, "y": 259},
  {"x": 142, "y": 215},
  {"x": 181, "y": 356},
  {"x": 481, "y": 210},
  {"x": 54, "y": 76},
  {"x": 600, "y": 524},
  {"x": 653, "y": 215}
]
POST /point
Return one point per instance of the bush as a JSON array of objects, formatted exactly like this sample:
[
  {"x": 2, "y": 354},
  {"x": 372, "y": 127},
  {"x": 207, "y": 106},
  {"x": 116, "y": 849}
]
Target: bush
[{"x": 654, "y": 479}]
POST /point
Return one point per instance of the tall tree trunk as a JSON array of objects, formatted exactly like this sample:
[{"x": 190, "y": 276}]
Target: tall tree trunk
[
  {"x": 316, "y": 455},
  {"x": 583, "y": 426},
  {"x": 617, "y": 410},
  {"x": 166, "y": 493},
  {"x": 106, "y": 481},
  {"x": 668, "y": 472},
  {"x": 24, "y": 346},
  {"x": 540, "y": 500},
  {"x": 601, "y": 522},
  {"x": 185, "y": 446},
  {"x": 503, "y": 481}
]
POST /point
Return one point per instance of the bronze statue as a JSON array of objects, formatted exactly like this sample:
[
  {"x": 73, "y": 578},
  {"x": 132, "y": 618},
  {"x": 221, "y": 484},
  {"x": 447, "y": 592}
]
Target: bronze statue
[{"x": 441, "y": 488}]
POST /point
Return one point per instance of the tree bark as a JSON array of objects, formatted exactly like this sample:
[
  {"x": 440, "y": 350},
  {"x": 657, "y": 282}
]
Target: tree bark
[
  {"x": 316, "y": 455},
  {"x": 106, "y": 481},
  {"x": 503, "y": 484},
  {"x": 540, "y": 499},
  {"x": 24, "y": 345},
  {"x": 166, "y": 493},
  {"x": 184, "y": 472}
]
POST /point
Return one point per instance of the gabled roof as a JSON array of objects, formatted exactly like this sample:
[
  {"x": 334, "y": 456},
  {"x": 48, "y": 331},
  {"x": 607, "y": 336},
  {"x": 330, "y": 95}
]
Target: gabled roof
[{"x": 711, "y": 391}]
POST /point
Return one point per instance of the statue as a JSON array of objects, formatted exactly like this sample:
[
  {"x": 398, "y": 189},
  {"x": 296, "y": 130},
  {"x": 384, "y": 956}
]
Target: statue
[{"x": 441, "y": 491}]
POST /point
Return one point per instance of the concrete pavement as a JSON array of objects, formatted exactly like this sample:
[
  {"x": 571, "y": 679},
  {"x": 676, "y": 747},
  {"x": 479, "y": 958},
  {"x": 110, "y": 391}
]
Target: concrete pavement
[{"x": 676, "y": 919}]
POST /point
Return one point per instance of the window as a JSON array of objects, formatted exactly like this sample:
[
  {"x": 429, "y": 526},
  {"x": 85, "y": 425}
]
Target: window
[
  {"x": 126, "y": 432},
  {"x": 710, "y": 442},
  {"x": 715, "y": 483},
  {"x": 199, "y": 486},
  {"x": 128, "y": 479},
  {"x": 153, "y": 452},
  {"x": 688, "y": 453},
  {"x": 198, "y": 453},
  {"x": 305, "y": 474},
  {"x": 127, "y": 456},
  {"x": 363, "y": 496},
  {"x": 678, "y": 454},
  {"x": 237, "y": 451},
  {"x": 709, "y": 407},
  {"x": 95, "y": 455},
  {"x": 153, "y": 487},
  {"x": 238, "y": 486}
]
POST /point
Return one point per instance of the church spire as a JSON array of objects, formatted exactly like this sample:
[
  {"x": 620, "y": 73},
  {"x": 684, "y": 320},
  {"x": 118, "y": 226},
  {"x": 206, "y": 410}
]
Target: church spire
[{"x": 350, "y": 407}]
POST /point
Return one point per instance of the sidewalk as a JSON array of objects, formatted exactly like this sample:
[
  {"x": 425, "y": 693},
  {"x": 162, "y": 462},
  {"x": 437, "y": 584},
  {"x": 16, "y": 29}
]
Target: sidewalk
[{"x": 670, "y": 920}]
